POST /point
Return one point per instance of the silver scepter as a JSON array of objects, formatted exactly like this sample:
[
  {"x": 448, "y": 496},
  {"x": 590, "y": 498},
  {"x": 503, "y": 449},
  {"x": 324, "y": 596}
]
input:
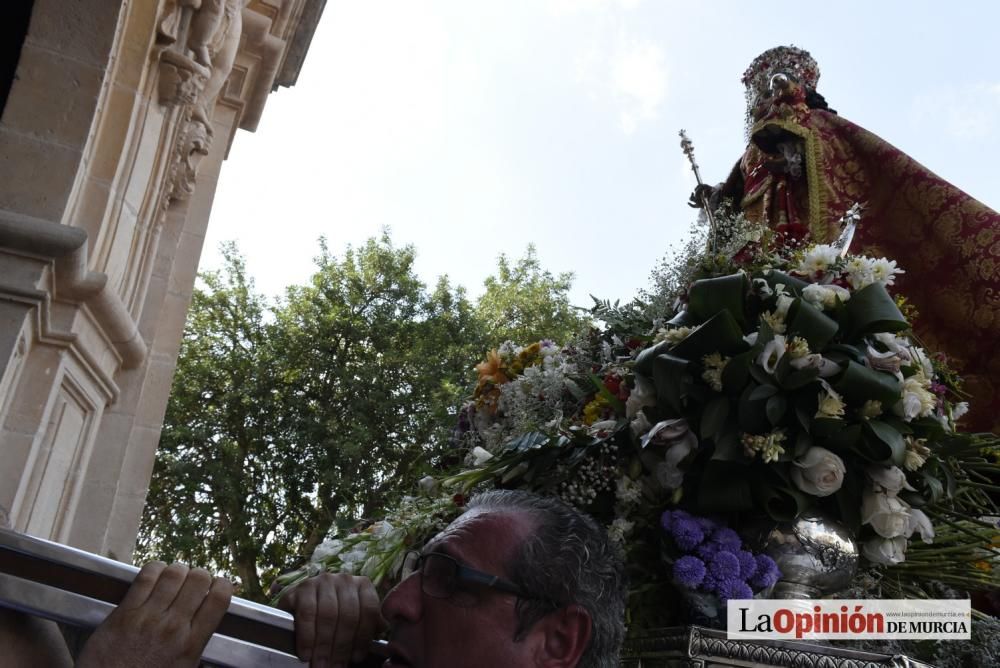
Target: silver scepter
[{"x": 688, "y": 147}]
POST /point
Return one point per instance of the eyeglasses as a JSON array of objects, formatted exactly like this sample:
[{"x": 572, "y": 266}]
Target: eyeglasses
[{"x": 442, "y": 576}]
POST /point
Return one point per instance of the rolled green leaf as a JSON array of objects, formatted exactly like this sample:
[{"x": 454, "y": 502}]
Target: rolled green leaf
[
  {"x": 871, "y": 309},
  {"x": 644, "y": 361},
  {"x": 793, "y": 286},
  {"x": 724, "y": 488},
  {"x": 808, "y": 322},
  {"x": 895, "y": 446},
  {"x": 720, "y": 333},
  {"x": 669, "y": 377},
  {"x": 709, "y": 296},
  {"x": 859, "y": 384},
  {"x": 713, "y": 418}
]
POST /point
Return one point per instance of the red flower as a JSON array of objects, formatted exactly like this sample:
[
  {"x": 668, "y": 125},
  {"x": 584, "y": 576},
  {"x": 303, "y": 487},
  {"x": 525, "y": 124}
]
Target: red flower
[{"x": 459, "y": 500}]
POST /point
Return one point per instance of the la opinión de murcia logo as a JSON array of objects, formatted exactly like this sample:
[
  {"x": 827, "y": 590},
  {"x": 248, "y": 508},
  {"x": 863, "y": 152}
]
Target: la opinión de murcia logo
[{"x": 843, "y": 619}]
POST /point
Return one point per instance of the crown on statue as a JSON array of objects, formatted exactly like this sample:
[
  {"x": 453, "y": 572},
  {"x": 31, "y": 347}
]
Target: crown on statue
[{"x": 789, "y": 60}]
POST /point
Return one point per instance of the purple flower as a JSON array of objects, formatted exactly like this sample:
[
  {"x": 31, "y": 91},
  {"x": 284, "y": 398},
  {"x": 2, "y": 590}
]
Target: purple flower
[
  {"x": 686, "y": 533},
  {"x": 767, "y": 572},
  {"x": 667, "y": 520},
  {"x": 748, "y": 564},
  {"x": 707, "y": 525},
  {"x": 724, "y": 566},
  {"x": 727, "y": 539},
  {"x": 706, "y": 550},
  {"x": 689, "y": 571},
  {"x": 737, "y": 589}
]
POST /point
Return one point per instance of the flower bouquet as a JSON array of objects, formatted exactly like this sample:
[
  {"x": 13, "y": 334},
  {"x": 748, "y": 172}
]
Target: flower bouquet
[{"x": 784, "y": 381}]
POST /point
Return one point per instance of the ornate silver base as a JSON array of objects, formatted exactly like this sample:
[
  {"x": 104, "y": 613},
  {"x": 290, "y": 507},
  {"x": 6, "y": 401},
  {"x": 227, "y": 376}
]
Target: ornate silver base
[{"x": 698, "y": 647}]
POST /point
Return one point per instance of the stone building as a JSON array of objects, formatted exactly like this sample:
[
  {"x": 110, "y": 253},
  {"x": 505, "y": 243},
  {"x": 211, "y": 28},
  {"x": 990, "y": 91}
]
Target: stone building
[{"x": 116, "y": 119}]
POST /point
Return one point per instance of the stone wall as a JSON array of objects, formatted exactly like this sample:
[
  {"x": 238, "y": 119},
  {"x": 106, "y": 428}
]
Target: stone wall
[{"x": 111, "y": 143}]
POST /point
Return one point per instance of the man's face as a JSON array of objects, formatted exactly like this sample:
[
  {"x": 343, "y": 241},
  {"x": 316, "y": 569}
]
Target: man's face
[{"x": 476, "y": 627}]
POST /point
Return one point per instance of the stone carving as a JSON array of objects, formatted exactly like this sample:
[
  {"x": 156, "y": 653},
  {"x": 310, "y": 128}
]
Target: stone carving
[{"x": 199, "y": 40}]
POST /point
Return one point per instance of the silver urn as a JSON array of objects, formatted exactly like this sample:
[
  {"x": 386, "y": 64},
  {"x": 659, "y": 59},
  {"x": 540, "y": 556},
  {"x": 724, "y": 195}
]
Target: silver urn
[{"x": 816, "y": 555}]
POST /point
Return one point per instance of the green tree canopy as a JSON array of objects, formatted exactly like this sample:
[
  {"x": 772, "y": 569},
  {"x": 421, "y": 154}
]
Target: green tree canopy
[{"x": 289, "y": 420}]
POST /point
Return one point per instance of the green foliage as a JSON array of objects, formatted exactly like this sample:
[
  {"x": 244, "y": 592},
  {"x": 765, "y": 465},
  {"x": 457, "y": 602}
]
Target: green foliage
[
  {"x": 291, "y": 421},
  {"x": 524, "y": 303}
]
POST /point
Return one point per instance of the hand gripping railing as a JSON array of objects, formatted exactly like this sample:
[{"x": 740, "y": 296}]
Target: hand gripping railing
[{"x": 74, "y": 587}]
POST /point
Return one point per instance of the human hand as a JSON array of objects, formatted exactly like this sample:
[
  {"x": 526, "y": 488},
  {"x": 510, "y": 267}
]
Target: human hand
[
  {"x": 166, "y": 619},
  {"x": 701, "y": 194},
  {"x": 336, "y": 617}
]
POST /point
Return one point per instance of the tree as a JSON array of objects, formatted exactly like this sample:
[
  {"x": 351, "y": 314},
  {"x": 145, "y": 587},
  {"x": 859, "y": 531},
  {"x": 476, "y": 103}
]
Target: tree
[
  {"x": 289, "y": 421},
  {"x": 284, "y": 421},
  {"x": 524, "y": 303}
]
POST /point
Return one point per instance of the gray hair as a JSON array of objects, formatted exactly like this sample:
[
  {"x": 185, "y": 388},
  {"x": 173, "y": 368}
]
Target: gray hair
[{"x": 568, "y": 559}]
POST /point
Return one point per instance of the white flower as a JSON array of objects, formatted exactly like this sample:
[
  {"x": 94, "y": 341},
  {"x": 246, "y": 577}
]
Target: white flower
[
  {"x": 644, "y": 394},
  {"x": 480, "y": 456},
  {"x": 825, "y": 296},
  {"x": 920, "y": 523},
  {"x": 916, "y": 399},
  {"x": 819, "y": 472},
  {"x": 680, "y": 442},
  {"x": 859, "y": 272},
  {"x": 628, "y": 491},
  {"x": 884, "y": 271},
  {"x": 674, "y": 335},
  {"x": 772, "y": 353},
  {"x": 428, "y": 485},
  {"x": 640, "y": 425},
  {"x": 885, "y": 550},
  {"x": 327, "y": 548},
  {"x": 888, "y": 479},
  {"x": 888, "y": 515},
  {"x": 783, "y": 304},
  {"x": 818, "y": 258},
  {"x": 619, "y": 528},
  {"x": 825, "y": 367},
  {"x": 830, "y": 404},
  {"x": 888, "y": 361}
]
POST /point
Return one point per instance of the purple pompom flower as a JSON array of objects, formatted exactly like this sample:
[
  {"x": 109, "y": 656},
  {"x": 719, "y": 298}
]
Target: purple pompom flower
[
  {"x": 724, "y": 565},
  {"x": 686, "y": 533},
  {"x": 767, "y": 572},
  {"x": 727, "y": 539},
  {"x": 706, "y": 550},
  {"x": 748, "y": 564},
  {"x": 737, "y": 589},
  {"x": 689, "y": 571}
]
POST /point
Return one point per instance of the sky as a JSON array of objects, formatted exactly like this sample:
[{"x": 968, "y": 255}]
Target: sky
[{"x": 471, "y": 128}]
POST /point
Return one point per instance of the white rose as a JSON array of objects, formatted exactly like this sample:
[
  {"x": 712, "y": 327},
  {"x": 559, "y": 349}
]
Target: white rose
[
  {"x": 920, "y": 523},
  {"x": 480, "y": 456},
  {"x": 891, "y": 479},
  {"x": 888, "y": 515},
  {"x": 819, "y": 472},
  {"x": 885, "y": 550}
]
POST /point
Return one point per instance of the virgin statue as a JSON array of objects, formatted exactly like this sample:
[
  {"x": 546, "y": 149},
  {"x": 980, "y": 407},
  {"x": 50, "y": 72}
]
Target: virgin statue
[{"x": 805, "y": 166}]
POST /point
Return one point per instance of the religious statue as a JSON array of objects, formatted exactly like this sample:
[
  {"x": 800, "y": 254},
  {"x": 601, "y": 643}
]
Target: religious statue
[{"x": 803, "y": 169}]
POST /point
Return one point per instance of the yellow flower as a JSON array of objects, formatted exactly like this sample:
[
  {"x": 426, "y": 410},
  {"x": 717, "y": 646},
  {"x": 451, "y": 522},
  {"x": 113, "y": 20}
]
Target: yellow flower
[
  {"x": 592, "y": 411},
  {"x": 798, "y": 347}
]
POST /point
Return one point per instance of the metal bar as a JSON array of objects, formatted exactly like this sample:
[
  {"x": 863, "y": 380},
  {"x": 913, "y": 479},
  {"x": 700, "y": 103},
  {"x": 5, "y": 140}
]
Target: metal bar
[{"x": 101, "y": 584}]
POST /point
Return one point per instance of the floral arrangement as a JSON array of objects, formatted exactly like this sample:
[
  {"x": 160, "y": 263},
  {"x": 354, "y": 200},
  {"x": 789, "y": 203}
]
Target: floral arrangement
[
  {"x": 786, "y": 380},
  {"x": 711, "y": 558}
]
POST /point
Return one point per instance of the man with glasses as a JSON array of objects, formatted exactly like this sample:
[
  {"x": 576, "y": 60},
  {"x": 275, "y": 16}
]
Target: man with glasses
[{"x": 517, "y": 580}]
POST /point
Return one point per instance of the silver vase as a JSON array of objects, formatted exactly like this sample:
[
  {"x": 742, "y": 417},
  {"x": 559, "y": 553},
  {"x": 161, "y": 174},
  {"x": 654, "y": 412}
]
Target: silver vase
[{"x": 816, "y": 555}]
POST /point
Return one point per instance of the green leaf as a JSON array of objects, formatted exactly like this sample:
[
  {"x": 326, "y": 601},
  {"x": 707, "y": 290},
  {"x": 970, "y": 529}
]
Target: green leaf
[
  {"x": 710, "y": 296},
  {"x": 779, "y": 499},
  {"x": 776, "y": 408},
  {"x": 644, "y": 361},
  {"x": 714, "y": 416},
  {"x": 724, "y": 488},
  {"x": 613, "y": 401},
  {"x": 720, "y": 333},
  {"x": 894, "y": 446},
  {"x": 728, "y": 447},
  {"x": 736, "y": 373},
  {"x": 859, "y": 383},
  {"x": 811, "y": 324},
  {"x": 848, "y": 501},
  {"x": 762, "y": 392},
  {"x": 670, "y": 376},
  {"x": 871, "y": 309},
  {"x": 793, "y": 286}
]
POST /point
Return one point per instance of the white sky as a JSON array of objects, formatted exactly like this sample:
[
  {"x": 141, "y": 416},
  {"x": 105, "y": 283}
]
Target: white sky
[{"x": 473, "y": 127}]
